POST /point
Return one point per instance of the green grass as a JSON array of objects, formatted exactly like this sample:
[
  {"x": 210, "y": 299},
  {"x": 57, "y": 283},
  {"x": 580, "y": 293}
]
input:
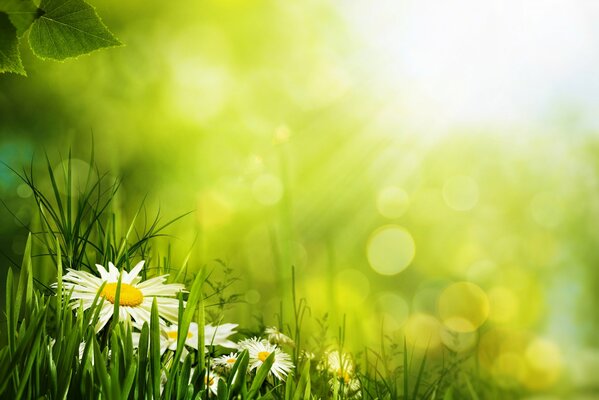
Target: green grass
[{"x": 53, "y": 351}]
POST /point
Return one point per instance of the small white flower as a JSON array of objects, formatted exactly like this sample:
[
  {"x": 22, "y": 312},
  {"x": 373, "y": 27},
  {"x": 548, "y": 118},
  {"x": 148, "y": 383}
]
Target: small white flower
[
  {"x": 226, "y": 361},
  {"x": 339, "y": 365},
  {"x": 211, "y": 381},
  {"x": 307, "y": 355},
  {"x": 342, "y": 369},
  {"x": 260, "y": 349},
  {"x": 277, "y": 337},
  {"x": 135, "y": 296},
  {"x": 351, "y": 386}
]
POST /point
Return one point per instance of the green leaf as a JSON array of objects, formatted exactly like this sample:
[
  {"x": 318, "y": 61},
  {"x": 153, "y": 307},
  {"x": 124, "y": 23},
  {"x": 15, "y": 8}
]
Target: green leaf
[
  {"x": 155, "y": 350},
  {"x": 261, "y": 375},
  {"x": 304, "y": 382},
  {"x": 10, "y": 60},
  {"x": 68, "y": 28},
  {"x": 236, "y": 380},
  {"x": 22, "y": 13}
]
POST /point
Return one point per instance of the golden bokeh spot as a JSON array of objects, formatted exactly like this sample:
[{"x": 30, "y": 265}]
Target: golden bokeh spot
[
  {"x": 423, "y": 331},
  {"x": 459, "y": 341},
  {"x": 503, "y": 303},
  {"x": 544, "y": 362},
  {"x": 130, "y": 296},
  {"x": 463, "y": 307},
  {"x": 263, "y": 355}
]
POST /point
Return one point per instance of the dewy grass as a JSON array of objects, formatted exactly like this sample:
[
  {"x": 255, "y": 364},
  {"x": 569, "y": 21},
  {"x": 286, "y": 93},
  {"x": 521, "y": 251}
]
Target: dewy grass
[{"x": 91, "y": 338}]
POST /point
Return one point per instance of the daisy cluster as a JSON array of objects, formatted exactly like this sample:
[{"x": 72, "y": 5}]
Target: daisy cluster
[{"x": 135, "y": 303}]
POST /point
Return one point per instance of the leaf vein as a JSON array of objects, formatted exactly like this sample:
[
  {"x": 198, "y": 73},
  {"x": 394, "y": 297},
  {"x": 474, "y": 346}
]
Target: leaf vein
[{"x": 77, "y": 29}]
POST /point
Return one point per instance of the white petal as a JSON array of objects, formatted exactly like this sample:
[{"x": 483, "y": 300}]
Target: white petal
[
  {"x": 103, "y": 272},
  {"x": 114, "y": 272},
  {"x": 128, "y": 277},
  {"x": 105, "y": 315}
]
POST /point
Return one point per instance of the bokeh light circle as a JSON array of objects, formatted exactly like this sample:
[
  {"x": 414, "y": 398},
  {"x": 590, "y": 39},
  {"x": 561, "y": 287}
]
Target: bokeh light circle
[
  {"x": 460, "y": 193},
  {"x": 24, "y": 191},
  {"x": 392, "y": 202},
  {"x": 503, "y": 303},
  {"x": 390, "y": 249},
  {"x": 267, "y": 189},
  {"x": 423, "y": 331},
  {"x": 252, "y": 296},
  {"x": 458, "y": 341},
  {"x": 394, "y": 308},
  {"x": 463, "y": 307}
]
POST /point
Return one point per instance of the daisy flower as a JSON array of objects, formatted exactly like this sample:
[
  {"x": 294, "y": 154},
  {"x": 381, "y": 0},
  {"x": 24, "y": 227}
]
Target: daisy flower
[
  {"x": 213, "y": 335},
  {"x": 277, "y": 337},
  {"x": 339, "y": 364},
  {"x": 342, "y": 369},
  {"x": 260, "y": 349},
  {"x": 211, "y": 381},
  {"x": 225, "y": 361},
  {"x": 135, "y": 296},
  {"x": 351, "y": 386}
]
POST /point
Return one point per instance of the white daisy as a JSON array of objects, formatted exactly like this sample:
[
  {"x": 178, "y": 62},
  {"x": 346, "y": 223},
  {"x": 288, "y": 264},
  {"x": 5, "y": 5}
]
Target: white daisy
[
  {"x": 216, "y": 336},
  {"x": 339, "y": 365},
  {"x": 260, "y": 349},
  {"x": 351, "y": 386},
  {"x": 135, "y": 296},
  {"x": 211, "y": 381},
  {"x": 277, "y": 337},
  {"x": 225, "y": 361},
  {"x": 213, "y": 335},
  {"x": 342, "y": 369}
]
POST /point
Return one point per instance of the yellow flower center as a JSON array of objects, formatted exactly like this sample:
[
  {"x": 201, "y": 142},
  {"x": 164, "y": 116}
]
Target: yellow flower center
[
  {"x": 129, "y": 296},
  {"x": 343, "y": 376},
  {"x": 173, "y": 335},
  {"x": 263, "y": 355},
  {"x": 209, "y": 381},
  {"x": 231, "y": 360}
]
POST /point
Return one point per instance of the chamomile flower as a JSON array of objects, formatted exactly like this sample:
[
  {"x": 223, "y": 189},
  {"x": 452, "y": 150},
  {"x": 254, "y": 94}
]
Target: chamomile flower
[
  {"x": 277, "y": 337},
  {"x": 213, "y": 335},
  {"x": 135, "y": 296},
  {"x": 260, "y": 349},
  {"x": 351, "y": 386},
  {"x": 338, "y": 364},
  {"x": 341, "y": 366},
  {"x": 225, "y": 361},
  {"x": 211, "y": 381}
]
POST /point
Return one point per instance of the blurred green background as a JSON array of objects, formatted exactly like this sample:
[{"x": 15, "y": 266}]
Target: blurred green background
[{"x": 387, "y": 151}]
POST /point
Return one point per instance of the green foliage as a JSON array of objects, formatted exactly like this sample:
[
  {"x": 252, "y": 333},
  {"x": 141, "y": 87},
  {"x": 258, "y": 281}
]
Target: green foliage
[
  {"x": 10, "y": 61},
  {"x": 58, "y": 29},
  {"x": 53, "y": 352},
  {"x": 68, "y": 28}
]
